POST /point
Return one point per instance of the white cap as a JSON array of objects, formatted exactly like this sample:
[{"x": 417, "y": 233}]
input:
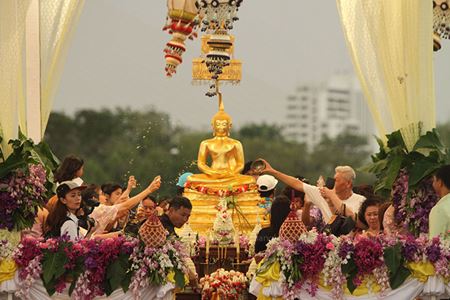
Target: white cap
[{"x": 266, "y": 183}]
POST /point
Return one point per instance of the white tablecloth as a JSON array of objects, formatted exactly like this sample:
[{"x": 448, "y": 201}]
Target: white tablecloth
[
  {"x": 434, "y": 288},
  {"x": 38, "y": 292}
]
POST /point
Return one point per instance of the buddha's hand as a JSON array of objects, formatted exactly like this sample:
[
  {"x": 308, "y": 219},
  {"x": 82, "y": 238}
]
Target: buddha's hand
[{"x": 155, "y": 184}]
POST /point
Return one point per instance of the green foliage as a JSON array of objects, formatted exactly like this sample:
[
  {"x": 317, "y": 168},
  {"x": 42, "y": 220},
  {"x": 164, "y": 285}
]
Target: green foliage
[
  {"x": 116, "y": 274},
  {"x": 117, "y": 143},
  {"x": 428, "y": 154},
  {"x": 396, "y": 265},
  {"x": 53, "y": 267},
  {"x": 350, "y": 270},
  {"x": 25, "y": 152},
  {"x": 179, "y": 279}
]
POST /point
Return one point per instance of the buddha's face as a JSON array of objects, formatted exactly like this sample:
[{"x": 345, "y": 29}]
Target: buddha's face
[{"x": 221, "y": 127}]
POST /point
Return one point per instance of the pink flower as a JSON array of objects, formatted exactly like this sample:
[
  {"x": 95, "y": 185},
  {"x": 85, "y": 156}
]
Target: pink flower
[{"x": 330, "y": 246}]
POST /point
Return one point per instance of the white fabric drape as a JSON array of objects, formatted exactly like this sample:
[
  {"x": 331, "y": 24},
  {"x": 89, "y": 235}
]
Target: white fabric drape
[
  {"x": 410, "y": 289},
  {"x": 12, "y": 80},
  {"x": 38, "y": 292},
  {"x": 390, "y": 43},
  {"x": 57, "y": 22}
]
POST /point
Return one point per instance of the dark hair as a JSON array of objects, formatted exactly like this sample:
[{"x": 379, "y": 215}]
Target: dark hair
[
  {"x": 66, "y": 171},
  {"x": 180, "y": 190},
  {"x": 292, "y": 193},
  {"x": 443, "y": 173},
  {"x": 267, "y": 193},
  {"x": 365, "y": 190},
  {"x": 89, "y": 193},
  {"x": 371, "y": 201},
  {"x": 164, "y": 199},
  {"x": 55, "y": 219},
  {"x": 247, "y": 167},
  {"x": 279, "y": 211},
  {"x": 109, "y": 188},
  {"x": 178, "y": 202}
]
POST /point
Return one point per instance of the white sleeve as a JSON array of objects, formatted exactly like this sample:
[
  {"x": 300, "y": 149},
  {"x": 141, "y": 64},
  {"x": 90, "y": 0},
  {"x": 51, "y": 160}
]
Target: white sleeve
[
  {"x": 70, "y": 228},
  {"x": 313, "y": 194}
]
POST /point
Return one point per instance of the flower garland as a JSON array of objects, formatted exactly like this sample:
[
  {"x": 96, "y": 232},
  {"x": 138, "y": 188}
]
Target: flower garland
[
  {"x": 413, "y": 207},
  {"x": 384, "y": 261},
  {"x": 152, "y": 266},
  {"x": 21, "y": 193},
  {"x": 97, "y": 267},
  {"x": 229, "y": 284},
  {"x": 232, "y": 191}
]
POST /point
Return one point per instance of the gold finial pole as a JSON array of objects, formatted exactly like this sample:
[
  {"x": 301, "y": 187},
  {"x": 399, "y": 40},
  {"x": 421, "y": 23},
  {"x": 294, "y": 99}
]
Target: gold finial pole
[{"x": 219, "y": 94}]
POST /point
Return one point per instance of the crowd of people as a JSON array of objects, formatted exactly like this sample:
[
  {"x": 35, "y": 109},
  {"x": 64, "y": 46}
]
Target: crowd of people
[
  {"x": 81, "y": 210},
  {"x": 338, "y": 209}
]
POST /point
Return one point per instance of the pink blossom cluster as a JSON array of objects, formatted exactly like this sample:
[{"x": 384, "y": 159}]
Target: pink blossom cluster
[{"x": 368, "y": 256}]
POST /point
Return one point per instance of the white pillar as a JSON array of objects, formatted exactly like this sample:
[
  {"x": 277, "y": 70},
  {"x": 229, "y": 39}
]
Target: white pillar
[{"x": 33, "y": 73}]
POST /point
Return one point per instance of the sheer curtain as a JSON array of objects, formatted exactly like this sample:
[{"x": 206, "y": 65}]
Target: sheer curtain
[
  {"x": 12, "y": 76},
  {"x": 391, "y": 46},
  {"x": 57, "y": 22}
]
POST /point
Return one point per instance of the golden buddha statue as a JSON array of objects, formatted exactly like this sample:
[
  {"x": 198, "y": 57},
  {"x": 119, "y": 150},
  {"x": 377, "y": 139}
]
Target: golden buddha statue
[
  {"x": 221, "y": 179},
  {"x": 227, "y": 156}
]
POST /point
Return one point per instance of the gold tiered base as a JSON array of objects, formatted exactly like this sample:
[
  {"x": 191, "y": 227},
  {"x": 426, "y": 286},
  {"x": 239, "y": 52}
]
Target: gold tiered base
[{"x": 204, "y": 211}]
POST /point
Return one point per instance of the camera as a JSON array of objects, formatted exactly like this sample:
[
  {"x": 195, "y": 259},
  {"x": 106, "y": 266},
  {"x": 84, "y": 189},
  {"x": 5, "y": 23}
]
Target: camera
[{"x": 87, "y": 207}]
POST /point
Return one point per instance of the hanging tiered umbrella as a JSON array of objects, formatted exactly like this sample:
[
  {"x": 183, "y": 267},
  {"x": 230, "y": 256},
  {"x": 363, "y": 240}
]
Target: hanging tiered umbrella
[{"x": 181, "y": 23}]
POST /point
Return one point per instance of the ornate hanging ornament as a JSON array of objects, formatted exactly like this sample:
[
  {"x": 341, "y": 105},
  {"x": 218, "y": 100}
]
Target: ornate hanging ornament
[
  {"x": 292, "y": 228},
  {"x": 218, "y": 14},
  {"x": 216, "y": 62},
  {"x": 441, "y": 22},
  {"x": 182, "y": 22},
  {"x": 152, "y": 232}
]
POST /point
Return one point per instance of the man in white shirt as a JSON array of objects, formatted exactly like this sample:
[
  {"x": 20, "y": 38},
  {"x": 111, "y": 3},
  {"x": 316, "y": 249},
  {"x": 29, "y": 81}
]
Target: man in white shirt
[
  {"x": 339, "y": 200},
  {"x": 439, "y": 221}
]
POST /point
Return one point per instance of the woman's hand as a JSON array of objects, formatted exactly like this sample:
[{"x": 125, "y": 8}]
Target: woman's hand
[
  {"x": 131, "y": 183},
  {"x": 155, "y": 184}
]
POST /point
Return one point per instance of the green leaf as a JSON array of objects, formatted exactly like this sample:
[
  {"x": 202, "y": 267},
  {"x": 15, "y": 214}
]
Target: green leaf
[
  {"x": 399, "y": 277},
  {"x": 179, "y": 278},
  {"x": 421, "y": 169},
  {"x": 53, "y": 265},
  {"x": 393, "y": 258},
  {"x": 375, "y": 167},
  {"x": 350, "y": 270},
  {"x": 430, "y": 140},
  {"x": 395, "y": 264},
  {"x": 72, "y": 285},
  {"x": 395, "y": 139},
  {"x": 50, "y": 286},
  {"x": 114, "y": 275}
]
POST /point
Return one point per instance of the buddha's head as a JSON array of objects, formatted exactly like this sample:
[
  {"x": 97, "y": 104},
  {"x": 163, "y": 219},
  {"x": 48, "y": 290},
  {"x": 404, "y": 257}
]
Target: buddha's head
[{"x": 221, "y": 124}]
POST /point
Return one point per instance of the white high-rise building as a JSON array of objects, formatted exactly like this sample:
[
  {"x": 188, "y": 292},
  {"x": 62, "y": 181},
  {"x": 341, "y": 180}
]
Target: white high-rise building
[{"x": 328, "y": 108}]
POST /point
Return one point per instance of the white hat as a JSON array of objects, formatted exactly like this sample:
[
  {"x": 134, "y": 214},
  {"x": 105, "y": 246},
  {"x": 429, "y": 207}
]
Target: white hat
[
  {"x": 266, "y": 183},
  {"x": 66, "y": 186}
]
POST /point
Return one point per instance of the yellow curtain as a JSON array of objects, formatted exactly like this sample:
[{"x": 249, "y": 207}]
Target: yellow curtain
[
  {"x": 12, "y": 80},
  {"x": 391, "y": 46},
  {"x": 57, "y": 20}
]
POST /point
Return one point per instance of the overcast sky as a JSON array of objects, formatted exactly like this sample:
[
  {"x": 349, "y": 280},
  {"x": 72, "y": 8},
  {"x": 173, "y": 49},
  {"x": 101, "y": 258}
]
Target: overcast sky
[{"x": 116, "y": 59}]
